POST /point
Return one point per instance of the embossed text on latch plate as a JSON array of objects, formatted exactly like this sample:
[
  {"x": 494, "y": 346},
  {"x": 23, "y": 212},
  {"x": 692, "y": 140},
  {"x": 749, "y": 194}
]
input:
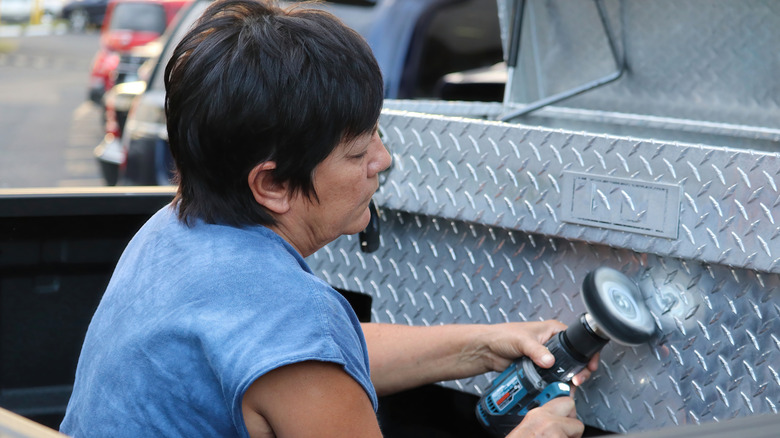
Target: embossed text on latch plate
[{"x": 621, "y": 204}]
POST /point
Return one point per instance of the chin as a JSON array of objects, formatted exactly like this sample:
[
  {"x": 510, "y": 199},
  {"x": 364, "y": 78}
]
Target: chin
[{"x": 362, "y": 223}]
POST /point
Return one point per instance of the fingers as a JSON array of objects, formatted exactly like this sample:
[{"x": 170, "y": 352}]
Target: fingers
[
  {"x": 561, "y": 411},
  {"x": 540, "y": 355},
  {"x": 557, "y": 418},
  {"x": 549, "y": 328},
  {"x": 585, "y": 374},
  {"x": 536, "y": 350},
  {"x": 594, "y": 362},
  {"x": 580, "y": 378},
  {"x": 561, "y": 406},
  {"x": 507, "y": 342}
]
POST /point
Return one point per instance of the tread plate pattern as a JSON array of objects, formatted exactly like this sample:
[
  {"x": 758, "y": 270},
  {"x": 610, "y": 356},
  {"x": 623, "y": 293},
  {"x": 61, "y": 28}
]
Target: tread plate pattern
[{"x": 471, "y": 233}]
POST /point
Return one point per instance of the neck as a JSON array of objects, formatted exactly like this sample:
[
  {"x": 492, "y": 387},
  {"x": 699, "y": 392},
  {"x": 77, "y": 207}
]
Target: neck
[{"x": 301, "y": 242}]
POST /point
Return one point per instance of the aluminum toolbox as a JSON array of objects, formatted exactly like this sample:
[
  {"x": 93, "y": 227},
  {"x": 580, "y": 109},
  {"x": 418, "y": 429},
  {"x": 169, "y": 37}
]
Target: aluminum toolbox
[{"x": 667, "y": 170}]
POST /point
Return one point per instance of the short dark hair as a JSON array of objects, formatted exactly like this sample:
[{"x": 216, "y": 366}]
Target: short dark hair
[{"x": 252, "y": 82}]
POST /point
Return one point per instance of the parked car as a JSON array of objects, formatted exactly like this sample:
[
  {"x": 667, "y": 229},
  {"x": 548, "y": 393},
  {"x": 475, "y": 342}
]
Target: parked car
[
  {"x": 131, "y": 62},
  {"x": 127, "y": 24},
  {"x": 416, "y": 42},
  {"x": 109, "y": 152},
  {"x": 130, "y": 81},
  {"x": 19, "y": 11},
  {"x": 84, "y": 14}
]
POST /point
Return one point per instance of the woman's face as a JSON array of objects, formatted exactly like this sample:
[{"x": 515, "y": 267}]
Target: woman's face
[{"x": 344, "y": 183}]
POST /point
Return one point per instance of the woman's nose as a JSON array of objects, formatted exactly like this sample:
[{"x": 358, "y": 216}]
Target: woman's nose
[{"x": 383, "y": 160}]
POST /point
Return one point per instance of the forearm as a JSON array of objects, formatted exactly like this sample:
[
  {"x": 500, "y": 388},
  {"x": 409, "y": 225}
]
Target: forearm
[{"x": 404, "y": 357}]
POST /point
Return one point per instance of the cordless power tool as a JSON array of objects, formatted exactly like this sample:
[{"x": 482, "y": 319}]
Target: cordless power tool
[{"x": 615, "y": 311}]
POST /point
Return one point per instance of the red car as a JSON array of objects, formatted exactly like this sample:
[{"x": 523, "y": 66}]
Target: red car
[{"x": 127, "y": 24}]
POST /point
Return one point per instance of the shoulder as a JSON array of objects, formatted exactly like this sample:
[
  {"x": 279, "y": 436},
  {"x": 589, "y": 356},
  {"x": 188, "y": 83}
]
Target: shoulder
[{"x": 325, "y": 397}]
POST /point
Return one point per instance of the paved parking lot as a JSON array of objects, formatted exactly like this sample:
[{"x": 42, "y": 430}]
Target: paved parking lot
[
  {"x": 48, "y": 128},
  {"x": 17, "y": 30}
]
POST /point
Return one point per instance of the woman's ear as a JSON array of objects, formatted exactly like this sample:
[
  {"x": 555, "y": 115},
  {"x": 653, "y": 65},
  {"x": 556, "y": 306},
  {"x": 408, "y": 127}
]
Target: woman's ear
[{"x": 266, "y": 190}]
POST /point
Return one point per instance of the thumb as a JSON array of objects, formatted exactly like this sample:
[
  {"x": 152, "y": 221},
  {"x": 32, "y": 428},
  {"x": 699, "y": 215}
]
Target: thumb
[
  {"x": 537, "y": 351},
  {"x": 562, "y": 407},
  {"x": 540, "y": 355}
]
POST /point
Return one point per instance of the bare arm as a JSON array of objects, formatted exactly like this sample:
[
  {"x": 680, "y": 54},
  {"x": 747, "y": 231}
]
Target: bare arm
[
  {"x": 308, "y": 399},
  {"x": 294, "y": 400},
  {"x": 404, "y": 357}
]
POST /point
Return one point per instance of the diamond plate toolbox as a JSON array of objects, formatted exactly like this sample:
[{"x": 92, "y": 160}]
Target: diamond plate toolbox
[{"x": 486, "y": 222}]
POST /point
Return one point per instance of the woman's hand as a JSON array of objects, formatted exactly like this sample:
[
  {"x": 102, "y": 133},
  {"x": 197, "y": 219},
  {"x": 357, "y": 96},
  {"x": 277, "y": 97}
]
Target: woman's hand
[
  {"x": 503, "y": 343},
  {"x": 404, "y": 357},
  {"x": 554, "y": 419}
]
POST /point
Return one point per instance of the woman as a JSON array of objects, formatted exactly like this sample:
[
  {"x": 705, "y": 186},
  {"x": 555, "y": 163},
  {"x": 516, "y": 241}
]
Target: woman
[{"x": 213, "y": 324}]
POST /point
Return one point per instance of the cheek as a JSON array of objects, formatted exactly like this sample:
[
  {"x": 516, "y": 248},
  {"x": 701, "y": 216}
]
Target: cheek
[
  {"x": 344, "y": 190},
  {"x": 353, "y": 178},
  {"x": 343, "y": 185}
]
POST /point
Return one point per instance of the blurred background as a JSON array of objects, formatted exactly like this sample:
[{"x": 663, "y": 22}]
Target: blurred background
[
  {"x": 57, "y": 60},
  {"x": 48, "y": 128},
  {"x": 73, "y": 73}
]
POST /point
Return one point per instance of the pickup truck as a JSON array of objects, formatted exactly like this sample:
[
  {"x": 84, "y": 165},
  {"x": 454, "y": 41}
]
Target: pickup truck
[{"x": 642, "y": 136}]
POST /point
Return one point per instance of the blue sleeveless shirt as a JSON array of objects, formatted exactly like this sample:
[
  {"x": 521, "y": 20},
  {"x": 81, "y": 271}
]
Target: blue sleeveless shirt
[{"x": 191, "y": 317}]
